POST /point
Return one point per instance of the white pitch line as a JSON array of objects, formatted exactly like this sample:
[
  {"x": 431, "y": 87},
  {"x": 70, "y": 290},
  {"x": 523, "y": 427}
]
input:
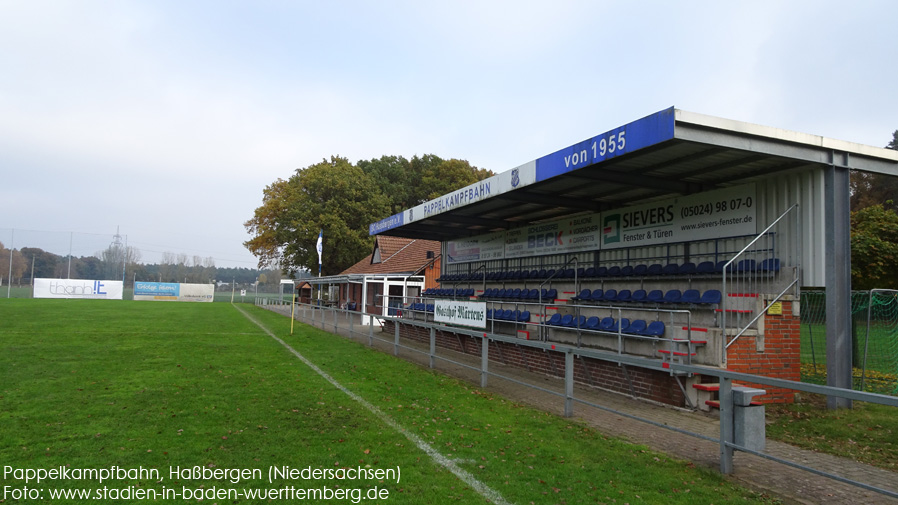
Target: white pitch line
[{"x": 484, "y": 490}]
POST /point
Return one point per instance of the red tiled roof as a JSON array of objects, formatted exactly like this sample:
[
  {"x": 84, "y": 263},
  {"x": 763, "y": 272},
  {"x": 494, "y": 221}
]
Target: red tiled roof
[{"x": 397, "y": 256}]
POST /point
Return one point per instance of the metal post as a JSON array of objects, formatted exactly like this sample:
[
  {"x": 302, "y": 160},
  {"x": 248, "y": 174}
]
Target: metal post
[
  {"x": 370, "y": 331},
  {"x": 568, "y": 384},
  {"x": 838, "y": 280},
  {"x": 727, "y": 435},
  {"x": 351, "y": 315},
  {"x": 396, "y": 338},
  {"x": 433, "y": 346},
  {"x": 484, "y": 360}
]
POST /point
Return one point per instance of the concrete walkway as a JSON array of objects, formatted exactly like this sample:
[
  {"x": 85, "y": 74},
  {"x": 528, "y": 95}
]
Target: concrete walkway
[{"x": 785, "y": 482}]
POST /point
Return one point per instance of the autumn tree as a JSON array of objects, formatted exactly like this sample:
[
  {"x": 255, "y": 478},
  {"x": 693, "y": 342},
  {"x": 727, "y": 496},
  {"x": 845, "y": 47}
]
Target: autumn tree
[
  {"x": 343, "y": 199},
  {"x": 335, "y": 196}
]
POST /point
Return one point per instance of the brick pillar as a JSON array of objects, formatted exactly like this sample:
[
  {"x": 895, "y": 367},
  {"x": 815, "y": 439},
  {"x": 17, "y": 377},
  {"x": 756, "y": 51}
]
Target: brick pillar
[{"x": 776, "y": 352}]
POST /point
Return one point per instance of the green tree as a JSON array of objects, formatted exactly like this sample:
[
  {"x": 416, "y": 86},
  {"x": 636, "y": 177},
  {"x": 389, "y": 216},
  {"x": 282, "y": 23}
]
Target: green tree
[
  {"x": 408, "y": 183},
  {"x": 393, "y": 176},
  {"x": 342, "y": 199},
  {"x": 334, "y": 196},
  {"x": 874, "y": 248},
  {"x": 44, "y": 262}
]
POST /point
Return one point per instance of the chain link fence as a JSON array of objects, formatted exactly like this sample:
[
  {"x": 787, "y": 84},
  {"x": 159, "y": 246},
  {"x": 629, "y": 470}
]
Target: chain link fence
[{"x": 874, "y": 337}]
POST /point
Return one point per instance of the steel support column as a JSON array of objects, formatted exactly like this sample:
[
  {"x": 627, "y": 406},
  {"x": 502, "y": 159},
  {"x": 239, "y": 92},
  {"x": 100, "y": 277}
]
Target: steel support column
[{"x": 838, "y": 278}]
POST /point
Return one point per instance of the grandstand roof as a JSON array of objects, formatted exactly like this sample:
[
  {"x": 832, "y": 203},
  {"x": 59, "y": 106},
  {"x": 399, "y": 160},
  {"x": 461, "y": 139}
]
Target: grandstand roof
[{"x": 667, "y": 154}]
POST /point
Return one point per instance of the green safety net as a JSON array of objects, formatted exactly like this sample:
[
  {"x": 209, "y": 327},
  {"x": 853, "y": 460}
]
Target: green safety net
[{"x": 874, "y": 329}]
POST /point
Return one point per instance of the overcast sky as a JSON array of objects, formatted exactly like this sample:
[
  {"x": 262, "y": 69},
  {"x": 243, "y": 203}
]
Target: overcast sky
[{"x": 168, "y": 118}]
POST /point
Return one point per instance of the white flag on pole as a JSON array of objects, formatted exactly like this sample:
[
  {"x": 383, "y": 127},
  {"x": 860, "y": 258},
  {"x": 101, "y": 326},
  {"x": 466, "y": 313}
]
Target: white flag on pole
[{"x": 318, "y": 246}]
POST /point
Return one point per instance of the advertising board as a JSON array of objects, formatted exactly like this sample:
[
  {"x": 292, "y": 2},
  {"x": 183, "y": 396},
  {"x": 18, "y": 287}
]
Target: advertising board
[
  {"x": 78, "y": 288},
  {"x": 460, "y": 313},
  {"x": 727, "y": 212},
  {"x": 171, "y": 291}
]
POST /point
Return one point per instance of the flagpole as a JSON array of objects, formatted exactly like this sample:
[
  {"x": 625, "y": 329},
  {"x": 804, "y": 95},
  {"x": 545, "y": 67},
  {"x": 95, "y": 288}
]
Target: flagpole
[{"x": 319, "y": 247}]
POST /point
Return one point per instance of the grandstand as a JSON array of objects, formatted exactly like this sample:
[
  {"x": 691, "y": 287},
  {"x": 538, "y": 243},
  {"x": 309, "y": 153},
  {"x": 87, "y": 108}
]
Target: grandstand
[{"x": 675, "y": 238}]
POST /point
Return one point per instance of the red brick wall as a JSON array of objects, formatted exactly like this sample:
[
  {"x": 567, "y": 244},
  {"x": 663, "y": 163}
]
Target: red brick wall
[
  {"x": 780, "y": 357},
  {"x": 649, "y": 384}
]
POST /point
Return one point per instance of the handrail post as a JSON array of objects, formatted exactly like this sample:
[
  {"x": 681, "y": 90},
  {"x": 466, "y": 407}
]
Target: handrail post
[
  {"x": 433, "y": 346},
  {"x": 484, "y": 360},
  {"x": 727, "y": 435},
  {"x": 568, "y": 384}
]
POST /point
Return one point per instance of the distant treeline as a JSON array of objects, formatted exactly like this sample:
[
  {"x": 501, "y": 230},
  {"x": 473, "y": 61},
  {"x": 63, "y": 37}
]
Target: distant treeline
[{"x": 32, "y": 262}]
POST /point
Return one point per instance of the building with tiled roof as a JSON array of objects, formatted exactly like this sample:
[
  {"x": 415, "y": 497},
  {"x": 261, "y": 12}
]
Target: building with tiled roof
[{"x": 397, "y": 270}]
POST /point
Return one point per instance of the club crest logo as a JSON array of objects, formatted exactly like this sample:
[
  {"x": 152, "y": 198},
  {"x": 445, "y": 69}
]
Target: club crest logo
[{"x": 515, "y": 177}]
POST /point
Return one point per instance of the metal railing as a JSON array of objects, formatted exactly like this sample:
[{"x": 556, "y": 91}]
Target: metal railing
[
  {"x": 757, "y": 274},
  {"x": 331, "y": 318}
]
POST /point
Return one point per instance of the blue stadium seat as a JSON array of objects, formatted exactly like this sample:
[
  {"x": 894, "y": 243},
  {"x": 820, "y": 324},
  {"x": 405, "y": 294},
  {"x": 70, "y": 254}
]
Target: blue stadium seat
[
  {"x": 769, "y": 265},
  {"x": 687, "y": 268},
  {"x": 613, "y": 271},
  {"x": 637, "y": 327},
  {"x": 597, "y": 294},
  {"x": 654, "y": 269},
  {"x": 711, "y": 297},
  {"x": 673, "y": 296},
  {"x": 524, "y": 316},
  {"x": 606, "y": 323},
  {"x": 639, "y": 296},
  {"x": 585, "y": 295},
  {"x": 552, "y": 294},
  {"x": 620, "y": 326},
  {"x": 705, "y": 267},
  {"x": 592, "y": 323},
  {"x": 746, "y": 265},
  {"x": 590, "y": 272},
  {"x": 670, "y": 269},
  {"x": 623, "y": 296},
  {"x": 640, "y": 270},
  {"x": 691, "y": 296},
  {"x": 566, "y": 320},
  {"x": 654, "y": 329},
  {"x": 610, "y": 295},
  {"x": 555, "y": 320},
  {"x": 655, "y": 296},
  {"x": 626, "y": 271},
  {"x": 601, "y": 272}
]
